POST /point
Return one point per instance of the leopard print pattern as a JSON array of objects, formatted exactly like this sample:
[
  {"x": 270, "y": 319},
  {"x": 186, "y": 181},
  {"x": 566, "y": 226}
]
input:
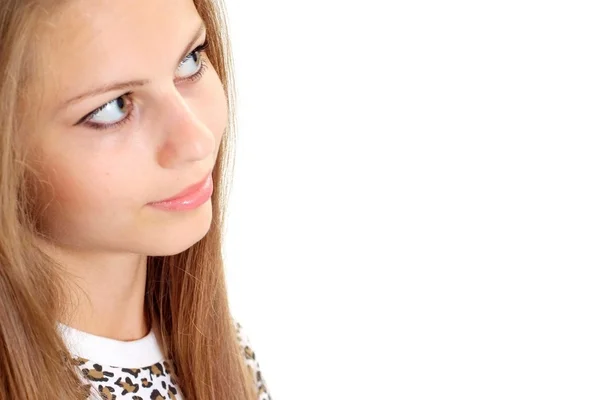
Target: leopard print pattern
[
  {"x": 153, "y": 382},
  {"x": 114, "y": 383},
  {"x": 251, "y": 363}
]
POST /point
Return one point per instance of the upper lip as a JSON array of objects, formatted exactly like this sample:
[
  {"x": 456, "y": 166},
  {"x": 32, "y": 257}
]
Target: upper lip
[{"x": 187, "y": 190}]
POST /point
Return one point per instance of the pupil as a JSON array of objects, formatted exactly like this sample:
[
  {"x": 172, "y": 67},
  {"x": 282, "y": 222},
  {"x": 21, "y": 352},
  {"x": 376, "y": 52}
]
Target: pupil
[{"x": 120, "y": 103}]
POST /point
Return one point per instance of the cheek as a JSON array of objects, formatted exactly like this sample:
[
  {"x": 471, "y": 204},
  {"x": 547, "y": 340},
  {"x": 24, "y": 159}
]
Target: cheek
[
  {"x": 89, "y": 202},
  {"x": 82, "y": 190}
]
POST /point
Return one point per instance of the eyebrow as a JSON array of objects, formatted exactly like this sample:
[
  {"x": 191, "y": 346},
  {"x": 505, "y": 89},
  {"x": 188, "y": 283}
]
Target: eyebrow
[{"x": 134, "y": 83}]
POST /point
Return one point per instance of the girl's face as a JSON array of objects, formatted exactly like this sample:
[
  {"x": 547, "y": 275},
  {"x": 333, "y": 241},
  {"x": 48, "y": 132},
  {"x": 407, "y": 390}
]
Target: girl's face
[{"x": 132, "y": 113}]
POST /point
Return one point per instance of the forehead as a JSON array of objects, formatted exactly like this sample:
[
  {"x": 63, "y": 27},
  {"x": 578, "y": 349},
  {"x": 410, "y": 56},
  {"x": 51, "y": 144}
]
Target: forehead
[{"x": 94, "y": 41}]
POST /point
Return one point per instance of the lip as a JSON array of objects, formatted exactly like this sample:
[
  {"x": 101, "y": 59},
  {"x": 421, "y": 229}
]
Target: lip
[{"x": 190, "y": 198}]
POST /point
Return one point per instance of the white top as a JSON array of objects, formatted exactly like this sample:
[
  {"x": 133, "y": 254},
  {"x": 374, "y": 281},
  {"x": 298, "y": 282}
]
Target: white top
[
  {"x": 114, "y": 369},
  {"x": 137, "y": 369},
  {"x": 103, "y": 350}
]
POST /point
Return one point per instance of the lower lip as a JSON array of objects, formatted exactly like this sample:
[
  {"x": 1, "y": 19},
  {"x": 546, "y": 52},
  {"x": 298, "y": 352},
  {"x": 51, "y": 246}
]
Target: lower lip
[{"x": 190, "y": 201}]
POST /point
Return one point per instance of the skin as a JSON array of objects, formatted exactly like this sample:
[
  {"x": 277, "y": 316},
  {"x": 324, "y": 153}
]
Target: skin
[{"x": 99, "y": 223}]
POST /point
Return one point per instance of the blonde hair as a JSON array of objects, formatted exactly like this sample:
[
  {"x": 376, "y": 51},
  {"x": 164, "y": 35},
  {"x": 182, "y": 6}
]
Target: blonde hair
[{"x": 186, "y": 300}]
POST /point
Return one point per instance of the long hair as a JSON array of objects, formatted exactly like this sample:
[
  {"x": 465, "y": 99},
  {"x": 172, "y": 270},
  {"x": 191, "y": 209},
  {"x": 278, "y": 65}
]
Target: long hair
[{"x": 186, "y": 297}]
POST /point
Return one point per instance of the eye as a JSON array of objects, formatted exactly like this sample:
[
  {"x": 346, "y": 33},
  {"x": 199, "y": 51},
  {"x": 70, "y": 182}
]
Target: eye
[
  {"x": 192, "y": 64},
  {"x": 109, "y": 114}
]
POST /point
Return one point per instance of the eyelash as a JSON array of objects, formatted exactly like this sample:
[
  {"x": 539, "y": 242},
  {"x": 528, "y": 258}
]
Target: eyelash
[{"x": 129, "y": 103}]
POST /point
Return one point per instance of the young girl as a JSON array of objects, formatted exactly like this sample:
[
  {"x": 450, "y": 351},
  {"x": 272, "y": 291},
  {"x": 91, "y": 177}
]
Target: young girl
[{"x": 114, "y": 139}]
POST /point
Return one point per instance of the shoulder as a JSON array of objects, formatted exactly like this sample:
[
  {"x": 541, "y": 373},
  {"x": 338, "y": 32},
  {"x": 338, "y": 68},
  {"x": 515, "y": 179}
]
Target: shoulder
[{"x": 251, "y": 361}]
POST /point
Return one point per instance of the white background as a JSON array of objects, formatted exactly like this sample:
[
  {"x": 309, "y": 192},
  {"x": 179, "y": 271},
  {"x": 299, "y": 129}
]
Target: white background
[{"x": 416, "y": 207}]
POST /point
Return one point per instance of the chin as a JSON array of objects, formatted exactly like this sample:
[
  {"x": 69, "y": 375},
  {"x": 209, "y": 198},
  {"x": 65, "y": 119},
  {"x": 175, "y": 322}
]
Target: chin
[{"x": 179, "y": 235}]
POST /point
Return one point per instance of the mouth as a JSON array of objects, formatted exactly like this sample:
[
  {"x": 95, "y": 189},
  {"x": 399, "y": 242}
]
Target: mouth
[{"x": 191, "y": 197}]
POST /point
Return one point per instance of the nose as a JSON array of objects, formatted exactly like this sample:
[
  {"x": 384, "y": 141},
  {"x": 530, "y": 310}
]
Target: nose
[{"x": 186, "y": 138}]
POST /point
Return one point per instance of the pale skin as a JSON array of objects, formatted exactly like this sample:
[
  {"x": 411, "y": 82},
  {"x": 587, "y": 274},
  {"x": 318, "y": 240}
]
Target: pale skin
[{"x": 98, "y": 218}]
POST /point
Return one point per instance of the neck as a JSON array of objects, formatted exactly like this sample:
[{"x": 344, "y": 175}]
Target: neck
[{"x": 106, "y": 292}]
